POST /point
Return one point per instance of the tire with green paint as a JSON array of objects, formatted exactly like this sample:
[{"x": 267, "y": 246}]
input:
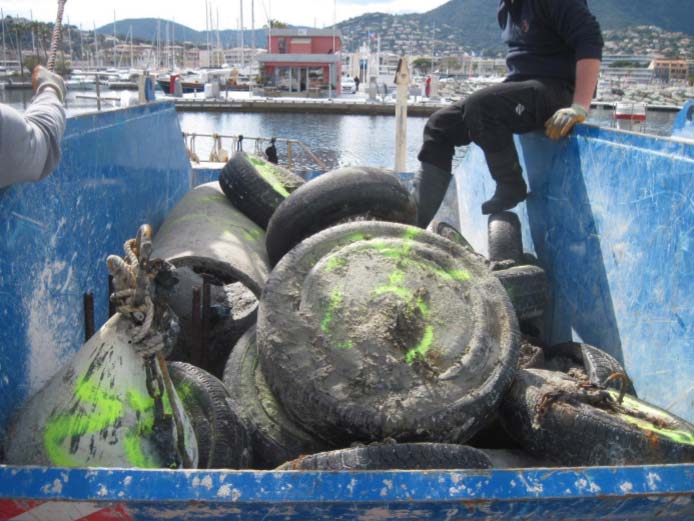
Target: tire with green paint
[
  {"x": 256, "y": 186},
  {"x": 577, "y": 358},
  {"x": 334, "y": 197},
  {"x": 505, "y": 241},
  {"x": 274, "y": 437},
  {"x": 555, "y": 416},
  {"x": 394, "y": 456},
  {"x": 225, "y": 437},
  {"x": 527, "y": 288},
  {"x": 371, "y": 330}
]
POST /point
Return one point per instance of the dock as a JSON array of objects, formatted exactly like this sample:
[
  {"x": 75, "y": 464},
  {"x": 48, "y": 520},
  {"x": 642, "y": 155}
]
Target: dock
[
  {"x": 360, "y": 107},
  {"x": 318, "y": 106}
]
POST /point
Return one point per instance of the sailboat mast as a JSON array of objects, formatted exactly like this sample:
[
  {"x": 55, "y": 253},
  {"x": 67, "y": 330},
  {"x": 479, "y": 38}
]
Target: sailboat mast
[
  {"x": 241, "y": 23},
  {"x": 131, "y": 47},
  {"x": 173, "y": 45},
  {"x": 253, "y": 29},
  {"x": 4, "y": 45},
  {"x": 115, "y": 40},
  {"x": 96, "y": 48}
]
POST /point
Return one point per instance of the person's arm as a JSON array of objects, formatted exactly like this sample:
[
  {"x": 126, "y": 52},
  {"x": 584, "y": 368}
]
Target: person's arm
[
  {"x": 580, "y": 29},
  {"x": 30, "y": 142}
]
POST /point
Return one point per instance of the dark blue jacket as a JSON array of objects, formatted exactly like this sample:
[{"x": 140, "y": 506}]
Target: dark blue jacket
[{"x": 545, "y": 38}]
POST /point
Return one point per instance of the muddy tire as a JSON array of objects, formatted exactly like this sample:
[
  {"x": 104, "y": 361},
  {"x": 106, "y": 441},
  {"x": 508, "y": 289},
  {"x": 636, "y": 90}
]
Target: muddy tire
[
  {"x": 598, "y": 366},
  {"x": 505, "y": 241},
  {"x": 527, "y": 288},
  {"x": 354, "y": 192},
  {"x": 274, "y": 437},
  {"x": 450, "y": 232},
  {"x": 354, "y": 340},
  {"x": 225, "y": 439},
  {"x": 555, "y": 416},
  {"x": 255, "y": 186},
  {"x": 394, "y": 456}
]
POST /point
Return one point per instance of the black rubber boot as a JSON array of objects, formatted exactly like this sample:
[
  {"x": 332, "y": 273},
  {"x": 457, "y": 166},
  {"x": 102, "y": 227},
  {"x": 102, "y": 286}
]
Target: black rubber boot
[
  {"x": 510, "y": 186},
  {"x": 507, "y": 195},
  {"x": 430, "y": 187}
]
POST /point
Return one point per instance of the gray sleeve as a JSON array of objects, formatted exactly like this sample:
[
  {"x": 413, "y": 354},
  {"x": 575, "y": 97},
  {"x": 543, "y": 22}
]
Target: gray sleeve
[{"x": 30, "y": 142}]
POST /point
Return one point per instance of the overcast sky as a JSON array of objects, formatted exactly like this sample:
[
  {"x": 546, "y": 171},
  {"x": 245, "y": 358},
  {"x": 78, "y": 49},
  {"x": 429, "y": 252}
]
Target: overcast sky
[{"x": 192, "y": 12}]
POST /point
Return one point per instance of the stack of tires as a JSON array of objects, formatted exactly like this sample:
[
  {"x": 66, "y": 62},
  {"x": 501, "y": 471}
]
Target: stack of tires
[{"x": 379, "y": 345}]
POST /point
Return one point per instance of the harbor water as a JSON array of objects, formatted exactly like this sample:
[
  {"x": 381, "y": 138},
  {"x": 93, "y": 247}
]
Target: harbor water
[{"x": 337, "y": 140}]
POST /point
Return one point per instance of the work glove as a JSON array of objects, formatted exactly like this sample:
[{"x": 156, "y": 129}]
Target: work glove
[
  {"x": 42, "y": 78},
  {"x": 563, "y": 120}
]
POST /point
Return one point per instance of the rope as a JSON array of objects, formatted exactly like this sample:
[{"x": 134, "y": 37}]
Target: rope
[
  {"x": 131, "y": 281},
  {"x": 57, "y": 33}
]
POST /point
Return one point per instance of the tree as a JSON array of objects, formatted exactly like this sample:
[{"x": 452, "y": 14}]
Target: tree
[
  {"x": 422, "y": 65},
  {"x": 276, "y": 24}
]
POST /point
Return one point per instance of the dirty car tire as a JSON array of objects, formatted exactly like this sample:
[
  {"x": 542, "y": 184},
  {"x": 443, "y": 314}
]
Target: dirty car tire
[
  {"x": 504, "y": 237},
  {"x": 255, "y": 186},
  {"x": 394, "y": 456},
  {"x": 334, "y": 197},
  {"x": 527, "y": 288},
  {"x": 354, "y": 336},
  {"x": 555, "y": 416},
  {"x": 224, "y": 438},
  {"x": 274, "y": 437},
  {"x": 596, "y": 363}
]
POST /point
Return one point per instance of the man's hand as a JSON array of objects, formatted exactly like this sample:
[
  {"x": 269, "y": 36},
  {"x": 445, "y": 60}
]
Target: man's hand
[
  {"x": 563, "y": 120},
  {"x": 42, "y": 78}
]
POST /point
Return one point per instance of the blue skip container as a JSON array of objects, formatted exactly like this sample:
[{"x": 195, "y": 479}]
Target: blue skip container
[{"x": 610, "y": 217}]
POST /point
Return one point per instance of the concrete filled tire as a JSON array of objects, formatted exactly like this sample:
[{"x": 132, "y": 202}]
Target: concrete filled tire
[
  {"x": 337, "y": 196},
  {"x": 584, "y": 361},
  {"x": 274, "y": 437},
  {"x": 370, "y": 330},
  {"x": 505, "y": 241},
  {"x": 527, "y": 288},
  {"x": 256, "y": 187},
  {"x": 555, "y": 416},
  {"x": 394, "y": 456},
  {"x": 222, "y": 438}
]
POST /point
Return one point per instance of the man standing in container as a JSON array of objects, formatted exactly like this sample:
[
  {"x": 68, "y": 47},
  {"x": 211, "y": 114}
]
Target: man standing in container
[
  {"x": 554, "y": 55},
  {"x": 30, "y": 142}
]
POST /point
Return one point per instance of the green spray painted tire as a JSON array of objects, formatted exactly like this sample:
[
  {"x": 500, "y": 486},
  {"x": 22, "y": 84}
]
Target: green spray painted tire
[
  {"x": 336, "y": 197},
  {"x": 555, "y": 416},
  {"x": 370, "y": 330},
  {"x": 275, "y": 438},
  {"x": 255, "y": 186},
  {"x": 224, "y": 436}
]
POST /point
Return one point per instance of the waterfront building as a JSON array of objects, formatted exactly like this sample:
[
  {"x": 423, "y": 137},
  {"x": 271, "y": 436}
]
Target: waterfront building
[
  {"x": 302, "y": 62},
  {"x": 670, "y": 70}
]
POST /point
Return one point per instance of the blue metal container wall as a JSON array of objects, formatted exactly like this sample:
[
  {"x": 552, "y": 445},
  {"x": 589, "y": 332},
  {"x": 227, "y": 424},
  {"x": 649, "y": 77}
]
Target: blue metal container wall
[
  {"x": 119, "y": 170},
  {"x": 611, "y": 218}
]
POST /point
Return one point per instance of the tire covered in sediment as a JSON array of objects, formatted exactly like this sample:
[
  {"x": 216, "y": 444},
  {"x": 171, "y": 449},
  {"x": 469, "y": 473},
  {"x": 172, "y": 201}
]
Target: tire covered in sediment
[
  {"x": 450, "y": 232},
  {"x": 256, "y": 186},
  {"x": 527, "y": 288},
  {"x": 596, "y": 364},
  {"x": 394, "y": 456},
  {"x": 333, "y": 198},
  {"x": 370, "y": 330},
  {"x": 555, "y": 416},
  {"x": 224, "y": 441},
  {"x": 274, "y": 437},
  {"x": 505, "y": 241}
]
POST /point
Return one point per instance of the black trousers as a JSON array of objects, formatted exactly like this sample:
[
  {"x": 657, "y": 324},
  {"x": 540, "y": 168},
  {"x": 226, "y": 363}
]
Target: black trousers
[{"x": 489, "y": 118}]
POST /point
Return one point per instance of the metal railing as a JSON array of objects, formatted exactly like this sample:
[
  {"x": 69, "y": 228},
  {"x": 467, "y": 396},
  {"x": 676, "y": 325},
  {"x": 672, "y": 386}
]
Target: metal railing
[{"x": 220, "y": 154}]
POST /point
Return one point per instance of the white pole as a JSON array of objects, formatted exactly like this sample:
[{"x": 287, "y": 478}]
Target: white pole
[
  {"x": 173, "y": 44},
  {"x": 131, "y": 47},
  {"x": 402, "y": 80},
  {"x": 33, "y": 42}
]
